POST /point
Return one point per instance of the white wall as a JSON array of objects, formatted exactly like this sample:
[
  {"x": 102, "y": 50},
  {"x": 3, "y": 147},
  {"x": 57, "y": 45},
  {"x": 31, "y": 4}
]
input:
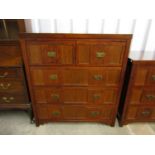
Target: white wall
[{"x": 143, "y": 42}]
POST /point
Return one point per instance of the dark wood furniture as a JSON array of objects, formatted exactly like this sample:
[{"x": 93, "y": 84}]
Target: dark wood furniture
[
  {"x": 138, "y": 94},
  {"x": 13, "y": 88},
  {"x": 75, "y": 77}
]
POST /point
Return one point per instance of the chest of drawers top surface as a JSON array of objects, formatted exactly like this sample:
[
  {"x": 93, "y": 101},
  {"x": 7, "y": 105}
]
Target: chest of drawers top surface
[{"x": 75, "y": 77}]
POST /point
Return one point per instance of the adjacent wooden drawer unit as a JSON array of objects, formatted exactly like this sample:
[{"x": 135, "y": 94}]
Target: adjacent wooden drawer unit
[
  {"x": 13, "y": 89},
  {"x": 75, "y": 77},
  {"x": 138, "y": 95}
]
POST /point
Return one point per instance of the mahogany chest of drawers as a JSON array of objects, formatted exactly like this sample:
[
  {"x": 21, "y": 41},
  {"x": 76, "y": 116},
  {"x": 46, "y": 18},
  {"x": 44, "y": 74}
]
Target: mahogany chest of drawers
[
  {"x": 13, "y": 90},
  {"x": 138, "y": 95},
  {"x": 75, "y": 77}
]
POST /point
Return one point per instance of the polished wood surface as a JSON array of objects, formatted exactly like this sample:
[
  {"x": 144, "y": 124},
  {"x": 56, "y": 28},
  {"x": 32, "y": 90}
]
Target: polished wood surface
[
  {"x": 10, "y": 54},
  {"x": 139, "y": 103},
  {"x": 75, "y": 95},
  {"x": 76, "y": 113},
  {"x": 13, "y": 90},
  {"x": 75, "y": 77}
]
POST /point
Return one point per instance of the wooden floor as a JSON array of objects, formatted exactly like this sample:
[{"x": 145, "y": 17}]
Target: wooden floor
[{"x": 18, "y": 123}]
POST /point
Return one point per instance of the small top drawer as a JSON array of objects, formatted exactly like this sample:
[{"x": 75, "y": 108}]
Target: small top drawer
[
  {"x": 100, "y": 53},
  {"x": 51, "y": 53},
  {"x": 7, "y": 73}
]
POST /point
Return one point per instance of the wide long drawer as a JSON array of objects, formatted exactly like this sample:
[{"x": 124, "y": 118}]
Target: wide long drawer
[
  {"x": 75, "y": 95},
  {"x": 75, "y": 76},
  {"x": 57, "y": 112}
]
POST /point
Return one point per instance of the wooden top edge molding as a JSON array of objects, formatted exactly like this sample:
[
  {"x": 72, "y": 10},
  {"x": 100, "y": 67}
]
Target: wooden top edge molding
[
  {"x": 76, "y": 36},
  {"x": 143, "y": 62}
]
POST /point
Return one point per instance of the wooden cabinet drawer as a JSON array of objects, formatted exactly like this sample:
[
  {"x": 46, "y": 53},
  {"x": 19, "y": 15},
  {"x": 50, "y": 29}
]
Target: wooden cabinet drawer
[
  {"x": 75, "y": 76},
  {"x": 143, "y": 113},
  {"x": 142, "y": 95},
  {"x": 75, "y": 112},
  {"x": 11, "y": 86},
  {"x": 51, "y": 53},
  {"x": 10, "y": 98},
  {"x": 144, "y": 75},
  {"x": 10, "y": 54},
  {"x": 75, "y": 95},
  {"x": 100, "y": 53},
  {"x": 10, "y": 73}
]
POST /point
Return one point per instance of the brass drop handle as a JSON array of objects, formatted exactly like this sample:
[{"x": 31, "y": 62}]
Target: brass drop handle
[
  {"x": 53, "y": 77},
  {"x": 95, "y": 113},
  {"x": 8, "y": 99},
  {"x": 4, "y": 75},
  {"x": 100, "y": 54},
  {"x": 56, "y": 113},
  {"x": 55, "y": 96},
  {"x": 98, "y": 77},
  {"x": 96, "y": 96},
  {"x": 146, "y": 113},
  {"x": 153, "y": 77},
  {"x": 150, "y": 97},
  {"x": 4, "y": 87},
  {"x": 51, "y": 54}
]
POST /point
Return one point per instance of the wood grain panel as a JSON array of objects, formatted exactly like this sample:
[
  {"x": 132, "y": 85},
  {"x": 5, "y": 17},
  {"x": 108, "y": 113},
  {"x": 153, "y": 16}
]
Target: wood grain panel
[
  {"x": 51, "y": 53},
  {"x": 75, "y": 95},
  {"x": 100, "y": 53}
]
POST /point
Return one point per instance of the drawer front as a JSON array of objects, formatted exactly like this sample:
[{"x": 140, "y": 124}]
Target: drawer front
[
  {"x": 142, "y": 95},
  {"x": 10, "y": 54},
  {"x": 76, "y": 76},
  {"x": 140, "y": 113},
  {"x": 11, "y": 86},
  {"x": 12, "y": 98},
  {"x": 144, "y": 76},
  {"x": 75, "y": 95},
  {"x": 151, "y": 76},
  {"x": 75, "y": 112},
  {"x": 100, "y": 53},
  {"x": 10, "y": 73},
  {"x": 51, "y": 53}
]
